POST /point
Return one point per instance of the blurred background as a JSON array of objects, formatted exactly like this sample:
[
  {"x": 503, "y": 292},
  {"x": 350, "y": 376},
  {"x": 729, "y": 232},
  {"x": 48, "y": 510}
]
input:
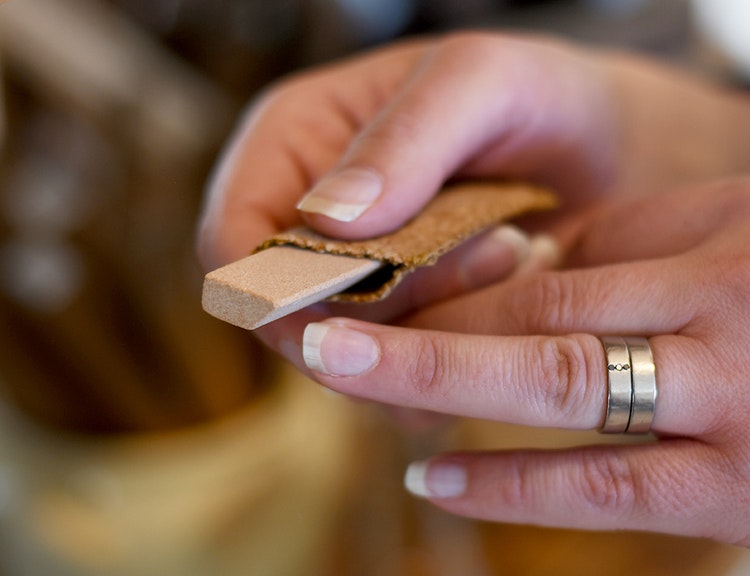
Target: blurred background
[{"x": 140, "y": 436}]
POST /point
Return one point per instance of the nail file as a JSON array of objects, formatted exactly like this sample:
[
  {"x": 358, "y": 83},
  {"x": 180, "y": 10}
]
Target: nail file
[
  {"x": 272, "y": 283},
  {"x": 299, "y": 267}
]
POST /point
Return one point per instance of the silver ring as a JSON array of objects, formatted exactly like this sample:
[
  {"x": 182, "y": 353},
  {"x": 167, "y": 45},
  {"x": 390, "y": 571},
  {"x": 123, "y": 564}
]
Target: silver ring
[
  {"x": 619, "y": 385},
  {"x": 631, "y": 385},
  {"x": 644, "y": 385}
]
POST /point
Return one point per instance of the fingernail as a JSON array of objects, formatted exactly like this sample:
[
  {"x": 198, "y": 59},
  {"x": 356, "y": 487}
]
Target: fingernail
[
  {"x": 495, "y": 255},
  {"x": 343, "y": 196},
  {"x": 546, "y": 250},
  {"x": 436, "y": 479},
  {"x": 544, "y": 253},
  {"x": 337, "y": 350},
  {"x": 515, "y": 238}
]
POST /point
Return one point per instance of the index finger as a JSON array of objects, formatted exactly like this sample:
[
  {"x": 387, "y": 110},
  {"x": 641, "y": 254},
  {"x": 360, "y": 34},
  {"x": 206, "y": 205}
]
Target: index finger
[
  {"x": 288, "y": 138},
  {"x": 255, "y": 186}
]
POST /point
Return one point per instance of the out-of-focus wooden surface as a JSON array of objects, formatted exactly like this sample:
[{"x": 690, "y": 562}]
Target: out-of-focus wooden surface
[
  {"x": 536, "y": 552},
  {"x": 109, "y": 141}
]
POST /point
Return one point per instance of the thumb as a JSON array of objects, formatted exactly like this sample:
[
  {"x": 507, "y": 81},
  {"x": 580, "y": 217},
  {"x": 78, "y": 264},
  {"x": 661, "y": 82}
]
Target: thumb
[{"x": 478, "y": 105}]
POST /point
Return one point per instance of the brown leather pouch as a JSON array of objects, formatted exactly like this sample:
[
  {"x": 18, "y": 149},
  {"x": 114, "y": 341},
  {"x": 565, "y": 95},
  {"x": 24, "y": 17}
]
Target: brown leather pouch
[{"x": 453, "y": 216}]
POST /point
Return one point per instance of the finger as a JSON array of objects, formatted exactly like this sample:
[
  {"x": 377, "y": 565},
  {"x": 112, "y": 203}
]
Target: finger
[
  {"x": 657, "y": 226},
  {"x": 646, "y": 297},
  {"x": 657, "y": 299},
  {"x": 479, "y": 105},
  {"x": 289, "y": 137},
  {"x": 660, "y": 487},
  {"x": 544, "y": 253},
  {"x": 285, "y": 336},
  {"x": 542, "y": 381},
  {"x": 639, "y": 291},
  {"x": 257, "y": 181}
]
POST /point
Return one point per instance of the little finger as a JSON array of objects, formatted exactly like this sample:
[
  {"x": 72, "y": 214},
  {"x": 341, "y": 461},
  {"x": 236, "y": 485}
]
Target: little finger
[{"x": 660, "y": 487}]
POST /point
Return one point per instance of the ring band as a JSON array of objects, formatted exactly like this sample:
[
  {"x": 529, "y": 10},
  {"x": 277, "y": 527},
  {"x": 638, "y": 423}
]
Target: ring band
[
  {"x": 644, "y": 385},
  {"x": 631, "y": 385},
  {"x": 619, "y": 385}
]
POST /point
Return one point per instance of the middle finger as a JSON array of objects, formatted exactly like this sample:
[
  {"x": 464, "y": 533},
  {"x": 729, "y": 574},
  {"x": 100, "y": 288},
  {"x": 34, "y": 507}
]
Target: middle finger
[{"x": 542, "y": 381}]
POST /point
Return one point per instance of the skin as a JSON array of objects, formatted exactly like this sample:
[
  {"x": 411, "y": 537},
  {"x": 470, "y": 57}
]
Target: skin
[{"x": 648, "y": 164}]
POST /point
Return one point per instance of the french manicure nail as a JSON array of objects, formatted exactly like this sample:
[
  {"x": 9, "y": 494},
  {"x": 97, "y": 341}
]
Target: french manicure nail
[
  {"x": 338, "y": 351},
  {"x": 544, "y": 253},
  {"x": 516, "y": 239},
  {"x": 436, "y": 479},
  {"x": 343, "y": 196}
]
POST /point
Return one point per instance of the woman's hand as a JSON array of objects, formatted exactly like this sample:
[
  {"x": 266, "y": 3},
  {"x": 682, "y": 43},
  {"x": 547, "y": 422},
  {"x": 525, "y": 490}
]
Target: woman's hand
[
  {"x": 362, "y": 145},
  {"x": 375, "y": 137},
  {"x": 675, "y": 268},
  {"x": 371, "y": 139}
]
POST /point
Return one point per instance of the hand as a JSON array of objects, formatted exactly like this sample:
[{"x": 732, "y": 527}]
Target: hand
[
  {"x": 391, "y": 126},
  {"x": 674, "y": 267},
  {"x": 400, "y": 121}
]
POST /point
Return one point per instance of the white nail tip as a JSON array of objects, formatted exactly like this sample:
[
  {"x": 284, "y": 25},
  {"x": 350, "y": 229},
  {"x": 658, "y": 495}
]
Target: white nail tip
[
  {"x": 415, "y": 479},
  {"x": 546, "y": 250},
  {"x": 340, "y": 211},
  {"x": 311, "y": 345},
  {"x": 446, "y": 480},
  {"x": 516, "y": 239}
]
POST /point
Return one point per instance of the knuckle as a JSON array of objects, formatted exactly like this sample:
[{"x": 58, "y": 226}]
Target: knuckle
[
  {"x": 731, "y": 271},
  {"x": 732, "y": 200},
  {"x": 734, "y": 465},
  {"x": 725, "y": 281},
  {"x": 426, "y": 372},
  {"x": 516, "y": 492},
  {"x": 277, "y": 96},
  {"x": 562, "y": 389},
  {"x": 469, "y": 43},
  {"x": 607, "y": 484},
  {"x": 392, "y": 132},
  {"x": 735, "y": 278},
  {"x": 544, "y": 303},
  {"x": 465, "y": 46}
]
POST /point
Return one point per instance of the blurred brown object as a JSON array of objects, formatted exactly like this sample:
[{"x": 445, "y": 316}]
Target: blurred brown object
[
  {"x": 109, "y": 140},
  {"x": 3, "y": 120},
  {"x": 257, "y": 493},
  {"x": 86, "y": 57}
]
